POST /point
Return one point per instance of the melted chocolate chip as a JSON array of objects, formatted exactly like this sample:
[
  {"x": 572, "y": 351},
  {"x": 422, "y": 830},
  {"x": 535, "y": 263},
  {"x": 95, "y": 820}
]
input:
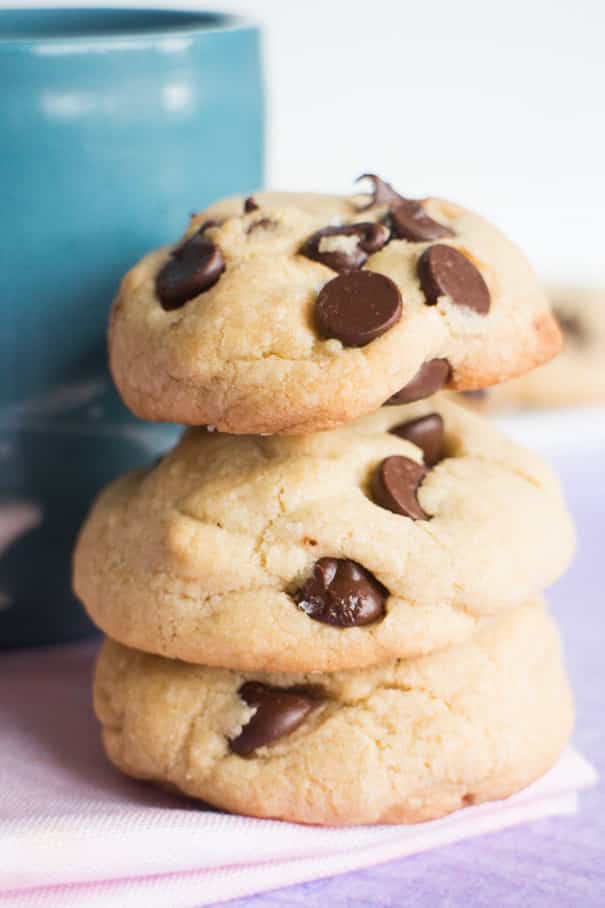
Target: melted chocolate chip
[
  {"x": 396, "y": 484},
  {"x": 371, "y": 237},
  {"x": 427, "y": 433},
  {"x": 572, "y": 327},
  {"x": 250, "y": 204},
  {"x": 409, "y": 221},
  {"x": 444, "y": 271},
  {"x": 382, "y": 193},
  {"x": 407, "y": 218},
  {"x": 431, "y": 377},
  {"x": 206, "y": 225},
  {"x": 357, "y": 307},
  {"x": 278, "y": 712},
  {"x": 193, "y": 267},
  {"x": 261, "y": 224},
  {"x": 342, "y": 593},
  {"x": 478, "y": 395}
]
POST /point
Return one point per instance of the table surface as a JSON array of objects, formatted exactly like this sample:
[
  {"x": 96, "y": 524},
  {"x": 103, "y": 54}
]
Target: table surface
[{"x": 557, "y": 862}]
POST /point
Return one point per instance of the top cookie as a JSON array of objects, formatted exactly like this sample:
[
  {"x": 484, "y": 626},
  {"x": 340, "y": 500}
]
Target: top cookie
[{"x": 289, "y": 313}]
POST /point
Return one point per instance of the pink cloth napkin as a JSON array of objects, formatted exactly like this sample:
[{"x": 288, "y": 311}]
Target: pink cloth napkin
[{"x": 75, "y": 834}]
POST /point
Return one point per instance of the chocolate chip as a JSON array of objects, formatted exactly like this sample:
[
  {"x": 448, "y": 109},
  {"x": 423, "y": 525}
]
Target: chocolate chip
[
  {"x": 444, "y": 271},
  {"x": 371, "y": 237},
  {"x": 206, "y": 225},
  {"x": 210, "y": 222},
  {"x": 250, "y": 204},
  {"x": 572, "y": 327},
  {"x": 357, "y": 307},
  {"x": 262, "y": 224},
  {"x": 427, "y": 433},
  {"x": 194, "y": 266},
  {"x": 395, "y": 486},
  {"x": 431, "y": 376},
  {"x": 278, "y": 712},
  {"x": 478, "y": 395},
  {"x": 382, "y": 193},
  {"x": 342, "y": 593},
  {"x": 407, "y": 218},
  {"x": 409, "y": 221}
]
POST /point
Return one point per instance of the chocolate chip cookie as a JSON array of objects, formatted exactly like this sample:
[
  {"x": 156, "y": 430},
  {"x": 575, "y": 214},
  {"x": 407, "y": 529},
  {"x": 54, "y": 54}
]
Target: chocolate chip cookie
[
  {"x": 408, "y": 741},
  {"x": 392, "y": 537},
  {"x": 288, "y": 313}
]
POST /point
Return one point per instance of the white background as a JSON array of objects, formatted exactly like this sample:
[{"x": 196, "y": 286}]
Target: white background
[{"x": 500, "y": 106}]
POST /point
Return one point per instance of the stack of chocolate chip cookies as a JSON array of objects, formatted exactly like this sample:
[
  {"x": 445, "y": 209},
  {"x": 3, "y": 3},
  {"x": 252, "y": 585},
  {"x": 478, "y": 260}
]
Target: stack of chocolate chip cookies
[{"x": 320, "y": 608}]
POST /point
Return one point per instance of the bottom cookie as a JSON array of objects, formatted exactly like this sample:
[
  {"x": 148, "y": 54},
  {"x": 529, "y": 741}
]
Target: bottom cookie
[{"x": 400, "y": 743}]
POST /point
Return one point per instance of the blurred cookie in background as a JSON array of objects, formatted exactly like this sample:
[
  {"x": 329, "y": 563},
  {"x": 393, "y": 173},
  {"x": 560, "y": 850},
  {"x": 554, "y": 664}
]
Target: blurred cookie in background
[{"x": 576, "y": 377}]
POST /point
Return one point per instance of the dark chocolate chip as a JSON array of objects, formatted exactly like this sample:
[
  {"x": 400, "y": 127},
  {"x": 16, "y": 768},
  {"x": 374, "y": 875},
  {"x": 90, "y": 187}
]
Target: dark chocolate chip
[
  {"x": 395, "y": 486},
  {"x": 444, "y": 271},
  {"x": 358, "y": 307},
  {"x": 431, "y": 376},
  {"x": 278, "y": 712},
  {"x": 206, "y": 225},
  {"x": 250, "y": 204},
  {"x": 342, "y": 593},
  {"x": 409, "y": 221},
  {"x": 193, "y": 267},
  {"x": 407, "y": 218},
  {"x": 211, "y": 222},
  {"x": 382, "y": 193},
  {"x": 262, "y": 224},
  {"x": 371, "y": 237},
  {"x": 427, "y": 433},
  {"x": 572, "y": 327},
  {"x": 478, "y": 395}
]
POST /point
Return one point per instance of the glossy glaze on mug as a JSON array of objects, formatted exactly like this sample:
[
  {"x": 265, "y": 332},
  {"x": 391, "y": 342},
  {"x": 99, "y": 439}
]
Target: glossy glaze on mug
[{"x": 114, "y": 126}]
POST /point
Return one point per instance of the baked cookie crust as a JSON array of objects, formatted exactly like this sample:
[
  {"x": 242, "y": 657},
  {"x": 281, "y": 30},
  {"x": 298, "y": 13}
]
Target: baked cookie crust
[
  {"x": 247, "y": 354},
  {"x": 300, "y": 554},
  {"x": 407, "y": 742}
]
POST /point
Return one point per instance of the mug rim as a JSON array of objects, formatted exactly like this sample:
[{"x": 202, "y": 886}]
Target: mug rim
[{"x": 210, "y": 21}]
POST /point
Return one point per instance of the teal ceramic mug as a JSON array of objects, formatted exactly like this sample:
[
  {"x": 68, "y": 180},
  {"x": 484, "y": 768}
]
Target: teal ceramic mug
[{"x": 114, "y": 126}]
